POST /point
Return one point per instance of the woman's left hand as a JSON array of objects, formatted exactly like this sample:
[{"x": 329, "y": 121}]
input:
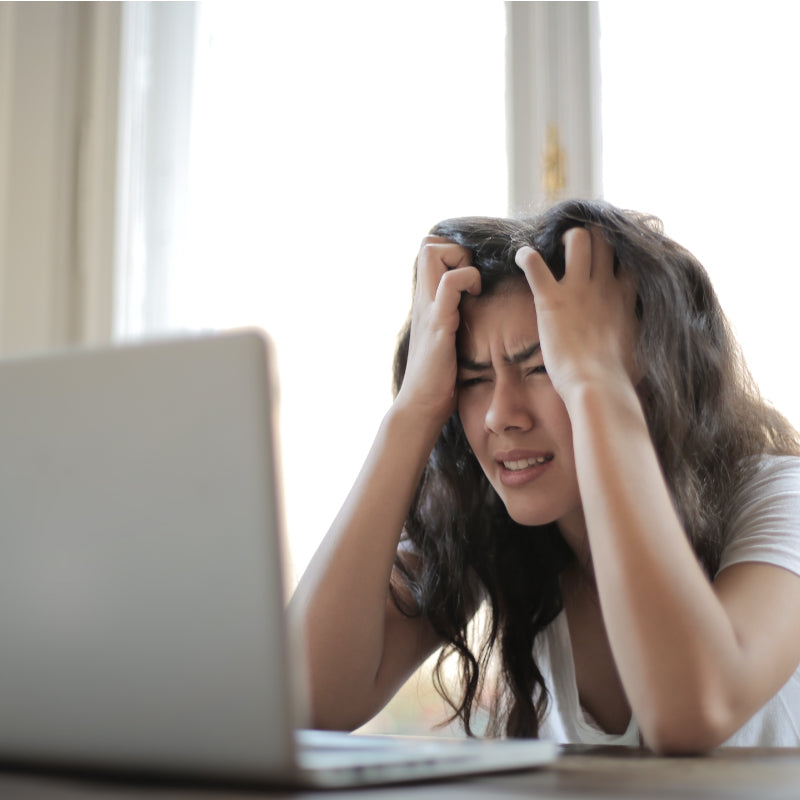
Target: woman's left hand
[{"x": 587, "y": 322}]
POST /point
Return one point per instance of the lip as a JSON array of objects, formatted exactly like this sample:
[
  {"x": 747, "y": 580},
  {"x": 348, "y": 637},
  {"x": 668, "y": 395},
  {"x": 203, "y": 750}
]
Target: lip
[{"x": 519, "y": 477}]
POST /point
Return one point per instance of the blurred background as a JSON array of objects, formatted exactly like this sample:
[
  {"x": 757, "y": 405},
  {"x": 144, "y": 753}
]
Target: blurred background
[{"x": 183, "y": 166}]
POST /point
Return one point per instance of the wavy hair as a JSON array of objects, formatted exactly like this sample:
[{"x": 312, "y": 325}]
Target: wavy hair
[{"x": 706, "y": 419}]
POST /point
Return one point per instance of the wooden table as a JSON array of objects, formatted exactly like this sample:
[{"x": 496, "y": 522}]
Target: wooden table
[{"x": 579, "y": 774}]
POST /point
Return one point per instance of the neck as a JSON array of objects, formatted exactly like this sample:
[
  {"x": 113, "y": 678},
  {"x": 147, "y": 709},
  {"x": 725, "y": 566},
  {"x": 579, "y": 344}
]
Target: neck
[{"x": 573, "y": 528}]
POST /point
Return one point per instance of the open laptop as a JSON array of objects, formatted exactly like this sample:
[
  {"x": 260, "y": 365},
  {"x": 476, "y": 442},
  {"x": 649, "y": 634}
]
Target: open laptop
[{"x": 142, "y": 593}]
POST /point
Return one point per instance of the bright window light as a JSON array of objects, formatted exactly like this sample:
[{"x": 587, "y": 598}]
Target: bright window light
[
  {"x": 327, "y": 139},
  {"x": 700, "y": 127}
]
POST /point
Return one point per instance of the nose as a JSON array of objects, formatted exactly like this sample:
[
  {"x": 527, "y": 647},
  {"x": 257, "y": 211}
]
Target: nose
[{"x": 509, "y": 408}]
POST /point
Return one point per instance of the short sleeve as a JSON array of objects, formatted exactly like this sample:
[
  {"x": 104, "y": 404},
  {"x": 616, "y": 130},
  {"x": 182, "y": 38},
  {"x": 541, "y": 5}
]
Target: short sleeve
[
  {"x": 765, "y": 518},
  {"x": 405, "y": 545}
]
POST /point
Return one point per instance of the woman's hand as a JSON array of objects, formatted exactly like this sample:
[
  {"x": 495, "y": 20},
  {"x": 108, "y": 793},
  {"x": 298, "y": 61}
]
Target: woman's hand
[
  {"x": 587, "y": 322},
  {"x": 444, "y": 271}
]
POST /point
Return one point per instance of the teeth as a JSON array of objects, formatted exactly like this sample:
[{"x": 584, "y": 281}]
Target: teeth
[{"x": 524, "y": 463}]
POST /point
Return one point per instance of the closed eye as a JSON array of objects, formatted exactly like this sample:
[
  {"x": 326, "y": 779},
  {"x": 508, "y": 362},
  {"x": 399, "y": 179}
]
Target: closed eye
[
  {"x": 465, "y": 383},
  {"x": 537, "y": 370}
]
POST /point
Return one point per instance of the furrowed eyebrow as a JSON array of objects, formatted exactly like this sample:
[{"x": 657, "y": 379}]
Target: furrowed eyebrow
[
  {"x": 523, "y": 355},
  {"x": 517, "y": 358}
]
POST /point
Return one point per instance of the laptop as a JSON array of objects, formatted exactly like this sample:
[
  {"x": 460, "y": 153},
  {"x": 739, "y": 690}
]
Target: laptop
[{"x": 142, "y": 587}]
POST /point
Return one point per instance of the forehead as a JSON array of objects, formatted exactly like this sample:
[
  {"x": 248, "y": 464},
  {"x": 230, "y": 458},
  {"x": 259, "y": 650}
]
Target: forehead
[{"x": 506, "y": 317}]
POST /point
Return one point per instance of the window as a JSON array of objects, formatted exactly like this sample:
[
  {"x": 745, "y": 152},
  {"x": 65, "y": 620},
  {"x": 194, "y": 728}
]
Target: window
[
  {"x": 326, "y": 140},
  {"x": 700, "y": 128}
]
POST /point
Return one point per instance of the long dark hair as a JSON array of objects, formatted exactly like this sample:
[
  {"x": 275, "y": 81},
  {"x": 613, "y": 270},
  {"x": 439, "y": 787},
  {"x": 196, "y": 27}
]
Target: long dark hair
[{"x": 706, "y": 419}]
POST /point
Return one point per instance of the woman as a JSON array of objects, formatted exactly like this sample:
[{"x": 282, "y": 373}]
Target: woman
[{"x": 580, "y": 446}]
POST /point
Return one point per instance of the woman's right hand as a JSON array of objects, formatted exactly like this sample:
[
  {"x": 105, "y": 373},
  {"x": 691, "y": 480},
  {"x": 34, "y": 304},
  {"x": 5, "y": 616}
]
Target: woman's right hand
[{"x": 444, "y": 271}]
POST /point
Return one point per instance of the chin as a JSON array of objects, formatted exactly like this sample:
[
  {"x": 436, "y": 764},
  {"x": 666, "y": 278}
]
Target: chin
[{"x": 530, "y": 518}]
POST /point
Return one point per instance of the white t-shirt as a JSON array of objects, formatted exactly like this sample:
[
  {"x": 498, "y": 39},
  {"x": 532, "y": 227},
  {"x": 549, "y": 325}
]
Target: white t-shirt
[{"x": 765, "y": 527}]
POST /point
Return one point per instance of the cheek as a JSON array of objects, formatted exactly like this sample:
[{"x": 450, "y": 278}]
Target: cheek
[{"x": 471, "y": 418}]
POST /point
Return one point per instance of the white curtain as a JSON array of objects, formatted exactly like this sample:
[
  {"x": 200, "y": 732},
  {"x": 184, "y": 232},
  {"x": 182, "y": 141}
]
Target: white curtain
[
  {"x": 58, "y": 148},
  {"x": 156, "y": 79}
]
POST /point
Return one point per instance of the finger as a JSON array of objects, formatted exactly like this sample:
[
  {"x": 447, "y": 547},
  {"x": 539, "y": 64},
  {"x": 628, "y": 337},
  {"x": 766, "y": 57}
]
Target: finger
[
  {"x": 435, "y": 238},
  {"x": 577, "y": 254},
  {"x": 436, "y": 256},
  {"x": 456, "y": 281},
  {"x": 444, "y": 309},
  {"x": 602, "y": 256},
  {"x": 536, "y": 270}
]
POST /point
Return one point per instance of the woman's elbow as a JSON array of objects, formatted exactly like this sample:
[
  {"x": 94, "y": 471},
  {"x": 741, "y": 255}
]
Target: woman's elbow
[
  {"x": 328, "y": 713},
  {"x": 695, "y": 730},
  {"x": 686, "y": 742}
]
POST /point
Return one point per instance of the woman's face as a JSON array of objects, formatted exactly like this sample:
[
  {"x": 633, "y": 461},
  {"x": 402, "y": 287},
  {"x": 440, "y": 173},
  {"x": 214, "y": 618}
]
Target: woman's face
[{"x": 514, "y": 421}]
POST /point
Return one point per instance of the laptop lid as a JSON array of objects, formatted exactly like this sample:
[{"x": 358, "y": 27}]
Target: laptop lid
[{"x": 141, "y": 603}]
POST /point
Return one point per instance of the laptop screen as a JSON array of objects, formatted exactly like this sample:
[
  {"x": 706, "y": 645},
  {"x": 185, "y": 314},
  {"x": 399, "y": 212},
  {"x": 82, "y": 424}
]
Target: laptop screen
[{"x": 142, "y": 605}]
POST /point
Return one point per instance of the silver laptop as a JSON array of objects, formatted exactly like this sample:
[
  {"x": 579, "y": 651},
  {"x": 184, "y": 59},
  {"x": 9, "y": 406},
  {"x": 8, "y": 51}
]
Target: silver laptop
[{"x": 141, "y": 591}]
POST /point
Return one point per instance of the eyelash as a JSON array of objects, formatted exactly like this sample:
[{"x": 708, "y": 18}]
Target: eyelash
[{"x": 465, "y": 383}]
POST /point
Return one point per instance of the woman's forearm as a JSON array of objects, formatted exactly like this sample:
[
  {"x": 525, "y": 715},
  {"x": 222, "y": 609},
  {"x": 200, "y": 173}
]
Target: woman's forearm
[
  {"x": 674, "y": 645},
  {"x": 359, "y": 646}
]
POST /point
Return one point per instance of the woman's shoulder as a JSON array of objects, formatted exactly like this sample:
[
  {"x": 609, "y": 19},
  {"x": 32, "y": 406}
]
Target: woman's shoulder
[
  {"x": 770, "y": 476},
  {"x": 777, "y": 464},
  {"x": 764, "y": 521}
]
